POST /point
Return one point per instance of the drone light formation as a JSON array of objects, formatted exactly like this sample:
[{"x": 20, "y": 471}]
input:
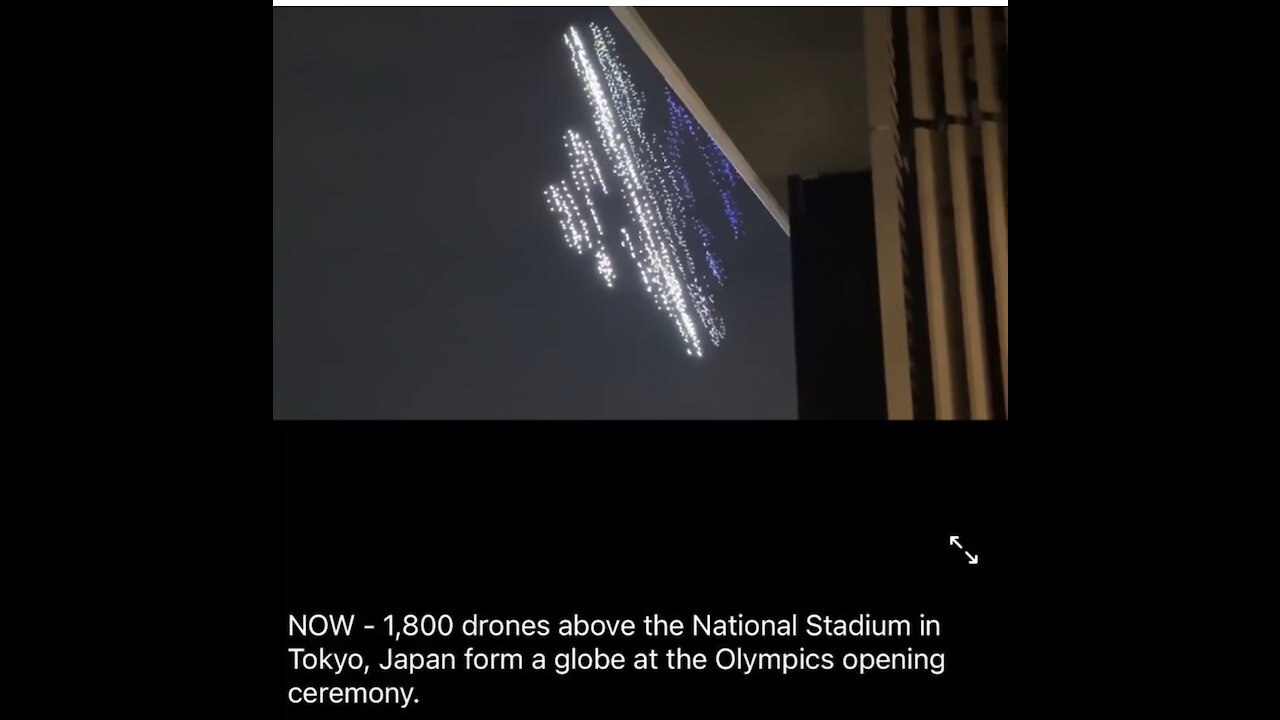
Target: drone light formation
[
  {"x": 581, "y": 235},
  {"x": 645, "y": 170},
  {"x": 718, "y": 166}
]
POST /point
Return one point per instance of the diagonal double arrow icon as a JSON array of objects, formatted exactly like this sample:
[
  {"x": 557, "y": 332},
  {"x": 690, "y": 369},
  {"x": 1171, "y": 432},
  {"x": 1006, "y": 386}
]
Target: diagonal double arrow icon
[{"x": 973, "y": 559}]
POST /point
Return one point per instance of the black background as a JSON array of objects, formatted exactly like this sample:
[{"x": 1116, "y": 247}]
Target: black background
[{"x": 618, "y": 520}]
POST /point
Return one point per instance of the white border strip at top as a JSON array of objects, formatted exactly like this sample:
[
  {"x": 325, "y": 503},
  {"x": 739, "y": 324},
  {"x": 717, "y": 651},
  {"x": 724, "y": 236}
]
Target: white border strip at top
[
  {"x": 644, "y": 38},
  {"x": 562, "y": 3}
]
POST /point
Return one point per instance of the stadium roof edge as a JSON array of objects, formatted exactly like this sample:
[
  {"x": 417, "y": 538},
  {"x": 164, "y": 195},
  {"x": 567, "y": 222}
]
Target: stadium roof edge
[{"x": 648, "y": 42}]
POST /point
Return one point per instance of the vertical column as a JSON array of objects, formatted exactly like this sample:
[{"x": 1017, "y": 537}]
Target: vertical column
[
  {"x": 887, "y": 194},
  {"x": 949, "y": 387},
  {"x": 994, "y": 172},
  {"x": 967, "y": 263}
]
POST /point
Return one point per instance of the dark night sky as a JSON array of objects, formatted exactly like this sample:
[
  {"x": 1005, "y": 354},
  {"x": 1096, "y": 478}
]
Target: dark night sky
[{"x": 417, "y": 271}]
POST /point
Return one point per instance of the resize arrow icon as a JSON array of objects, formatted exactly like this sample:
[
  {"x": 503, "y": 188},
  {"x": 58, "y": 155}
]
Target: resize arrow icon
[{"x": 955, "y": 540}]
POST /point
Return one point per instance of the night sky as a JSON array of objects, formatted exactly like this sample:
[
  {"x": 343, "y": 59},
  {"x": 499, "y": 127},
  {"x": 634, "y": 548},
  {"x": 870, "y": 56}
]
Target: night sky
[{"x": 417, "y": 269}]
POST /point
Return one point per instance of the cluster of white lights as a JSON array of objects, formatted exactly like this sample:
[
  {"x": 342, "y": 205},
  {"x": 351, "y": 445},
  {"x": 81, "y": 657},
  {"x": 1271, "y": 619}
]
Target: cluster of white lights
[
  {"x": 581, "y": 235},
  {"x": 678, "y": 202},
  {"x": 650, "y": 186}
]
